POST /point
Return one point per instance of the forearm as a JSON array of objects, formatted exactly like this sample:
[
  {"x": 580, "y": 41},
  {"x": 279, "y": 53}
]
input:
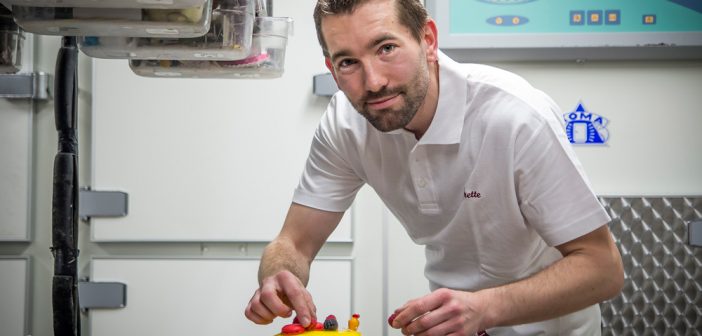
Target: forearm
[
  {"x": 581, "y": 279},
  {"x": 281, "y": 255},
  {"x": 285, "y": 266},
  {"x": 304, "y": 232}
]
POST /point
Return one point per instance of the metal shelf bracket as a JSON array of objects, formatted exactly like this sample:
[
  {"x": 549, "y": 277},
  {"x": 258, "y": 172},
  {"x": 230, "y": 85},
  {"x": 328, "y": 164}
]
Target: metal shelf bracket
[
  {"x": 94, "y": 203},
  {"x": 29, "y": 85},
  {"x": 101, "y": 295},
  {"x": 324, "y": 85}
]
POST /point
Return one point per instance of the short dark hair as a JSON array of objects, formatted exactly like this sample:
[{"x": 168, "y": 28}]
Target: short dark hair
[{"x": 411, "y": 13}]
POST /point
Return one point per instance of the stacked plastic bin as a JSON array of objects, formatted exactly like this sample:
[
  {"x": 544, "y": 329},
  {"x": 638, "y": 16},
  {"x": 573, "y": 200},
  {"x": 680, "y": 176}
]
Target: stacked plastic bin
[
  {"x": 11, "y": 40},
  {"x": 168, "y": 38},
  {"x": 182, "y": 18},
  {"x": 265, "y": 57}
]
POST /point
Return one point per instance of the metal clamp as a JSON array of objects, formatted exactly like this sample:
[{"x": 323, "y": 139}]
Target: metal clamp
[
  {"x": 29, "y": 85},
  {"x": 93, "y": 203},
  {"x": 101, "y": 295}
]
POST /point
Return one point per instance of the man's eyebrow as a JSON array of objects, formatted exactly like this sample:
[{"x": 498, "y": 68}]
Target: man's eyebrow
[
  {"x": 372, "y": 44},
  {"x": 380, "y": 40},
  {"x": 340, "y": 53}
]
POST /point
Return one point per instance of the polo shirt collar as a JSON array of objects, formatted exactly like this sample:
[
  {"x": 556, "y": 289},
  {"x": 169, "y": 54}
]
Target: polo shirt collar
[{"x": 447, "y": 125}]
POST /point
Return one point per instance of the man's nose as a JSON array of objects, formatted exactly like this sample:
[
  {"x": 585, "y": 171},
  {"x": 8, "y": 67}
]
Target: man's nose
[{"x": 375, "y": 77}]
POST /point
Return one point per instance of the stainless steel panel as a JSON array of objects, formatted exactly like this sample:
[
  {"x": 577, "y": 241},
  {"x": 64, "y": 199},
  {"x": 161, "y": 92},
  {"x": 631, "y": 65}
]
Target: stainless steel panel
[{"x": 662, "y": 293}]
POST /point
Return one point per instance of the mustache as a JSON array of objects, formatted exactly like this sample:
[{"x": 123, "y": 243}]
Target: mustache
[{"x": 385, "y": 92}]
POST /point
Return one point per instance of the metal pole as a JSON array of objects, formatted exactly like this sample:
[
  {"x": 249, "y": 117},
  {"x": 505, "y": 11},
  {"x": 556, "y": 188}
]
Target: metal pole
[{"x": 65, "y": 194}]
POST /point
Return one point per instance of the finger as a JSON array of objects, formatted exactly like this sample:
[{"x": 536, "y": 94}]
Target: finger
[
  {"x": 441, "y": 321},
  {"x": 440, "y": 330},
  {"x": 257, "y": 312},
  {"x": 404, "y": 306},
  {"x": 300, "y": 300},
  {"x": 270, "y": 297},
  {"x": 433, "y": 324},
  {"x": 256, "y": 318},
  {"x": 311, "y": 305},
  {"x": 415, "y": 309},
  {"x": 391, "y": 318}
]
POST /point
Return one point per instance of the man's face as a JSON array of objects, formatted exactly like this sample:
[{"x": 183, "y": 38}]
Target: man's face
[{"x": 377, "y": 63}]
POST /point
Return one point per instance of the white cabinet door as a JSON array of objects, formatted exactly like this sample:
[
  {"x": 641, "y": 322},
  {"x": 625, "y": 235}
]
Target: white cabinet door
[
  {"x": 206, "y": 159},
  {"x": 185, "y": 297},
  {"x": 14, "y": 296},
  {"x": 15, "y": 168}
]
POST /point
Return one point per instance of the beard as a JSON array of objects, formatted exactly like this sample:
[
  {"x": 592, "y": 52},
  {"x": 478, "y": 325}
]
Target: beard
[{"x": 412, "y": 95}]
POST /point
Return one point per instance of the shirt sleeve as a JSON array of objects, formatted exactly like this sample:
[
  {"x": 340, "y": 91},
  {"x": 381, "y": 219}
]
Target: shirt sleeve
[
  {"x": 329, "y": 181},
  {"x": 554, "y": 193}
]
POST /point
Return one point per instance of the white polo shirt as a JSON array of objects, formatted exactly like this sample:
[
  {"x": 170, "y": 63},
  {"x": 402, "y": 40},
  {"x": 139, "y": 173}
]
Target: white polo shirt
[{"x": 489, "y": 189}]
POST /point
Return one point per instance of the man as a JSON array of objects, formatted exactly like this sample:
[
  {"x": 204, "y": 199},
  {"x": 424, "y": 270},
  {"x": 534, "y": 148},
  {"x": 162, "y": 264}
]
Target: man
[{"x": 473, "y": 162}]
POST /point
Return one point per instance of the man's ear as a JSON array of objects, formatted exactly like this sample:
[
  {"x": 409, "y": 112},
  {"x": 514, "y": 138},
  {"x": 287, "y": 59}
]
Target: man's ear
[
  {"x": 327, "y": 62},
  {"x": 431, "y": 40}
]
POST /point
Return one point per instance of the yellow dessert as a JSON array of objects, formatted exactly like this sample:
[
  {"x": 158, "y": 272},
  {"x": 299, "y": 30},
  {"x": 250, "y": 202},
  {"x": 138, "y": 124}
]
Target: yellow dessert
[
  {"x": 330, "y": 327},
  {"x": 327, "y": 333}
]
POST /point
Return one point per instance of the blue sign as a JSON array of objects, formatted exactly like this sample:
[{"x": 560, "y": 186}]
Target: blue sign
[{"x": 586, "y": 128}]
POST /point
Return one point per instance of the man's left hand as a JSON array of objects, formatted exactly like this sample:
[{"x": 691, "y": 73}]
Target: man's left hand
[{"x": 443, "y": 312}]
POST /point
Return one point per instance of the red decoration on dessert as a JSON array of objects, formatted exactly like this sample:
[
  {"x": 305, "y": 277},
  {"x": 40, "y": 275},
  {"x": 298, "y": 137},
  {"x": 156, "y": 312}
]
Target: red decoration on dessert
[
  {"x": 293, "y": 329},
  {"x": 392, "y": 318},
  {"x": 330, "y": 324},
  {"x": 313, "y": 325}
]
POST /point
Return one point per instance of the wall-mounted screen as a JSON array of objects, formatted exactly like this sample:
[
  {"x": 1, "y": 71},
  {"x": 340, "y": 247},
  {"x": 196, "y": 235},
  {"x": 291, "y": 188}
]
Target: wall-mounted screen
[{"x": 568, "y": 29}]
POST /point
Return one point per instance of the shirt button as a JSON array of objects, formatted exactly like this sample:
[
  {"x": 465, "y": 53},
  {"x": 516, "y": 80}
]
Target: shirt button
[{"x": 422, "y": 183}]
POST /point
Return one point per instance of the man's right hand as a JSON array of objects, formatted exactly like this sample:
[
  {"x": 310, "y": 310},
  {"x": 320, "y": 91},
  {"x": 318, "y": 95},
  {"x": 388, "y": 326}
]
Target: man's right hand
[{"x": 278, "y": 296}]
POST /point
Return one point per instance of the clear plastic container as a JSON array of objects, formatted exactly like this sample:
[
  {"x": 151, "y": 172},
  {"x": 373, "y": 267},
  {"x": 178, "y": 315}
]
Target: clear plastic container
[
  {"x": 108, "y": 3},
  {"x": 229, "y": 37},
  {"x": 11, "y": 44},
  {"x": 266, "y": 59},
  {"x": 135, "y": 22}
]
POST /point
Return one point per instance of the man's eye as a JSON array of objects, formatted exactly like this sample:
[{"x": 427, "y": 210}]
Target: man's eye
[
  {"x": 387, "y": 48},
  {"x": 345, "y": 63}
]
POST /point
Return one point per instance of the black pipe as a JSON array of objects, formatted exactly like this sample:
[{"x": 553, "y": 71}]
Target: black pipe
[
  {"x": 269, "y": 7},
  {"x": 66, "y": 314}
]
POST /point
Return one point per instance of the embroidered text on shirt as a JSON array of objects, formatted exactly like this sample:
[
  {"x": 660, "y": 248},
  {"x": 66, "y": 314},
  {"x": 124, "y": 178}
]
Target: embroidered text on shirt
[{"x": 472, "y": 194}]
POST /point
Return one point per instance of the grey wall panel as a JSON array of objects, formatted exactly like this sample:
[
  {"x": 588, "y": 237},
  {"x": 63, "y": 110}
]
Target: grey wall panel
[{"x": 663, "y": 287}]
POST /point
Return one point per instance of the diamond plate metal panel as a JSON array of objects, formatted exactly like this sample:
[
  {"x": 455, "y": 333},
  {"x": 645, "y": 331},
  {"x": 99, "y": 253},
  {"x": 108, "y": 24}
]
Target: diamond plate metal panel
[{"x": 662, "y": 292}]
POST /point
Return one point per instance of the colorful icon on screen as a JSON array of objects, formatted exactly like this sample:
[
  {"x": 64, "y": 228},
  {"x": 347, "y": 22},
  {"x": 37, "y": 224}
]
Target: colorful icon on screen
[
  {"x": 507, "y": 20},
  {"x": 577, "y": 18},
  {"x": 613, "y": 17},
  {"x": 649, "y": 19},
  {"x": 594, "y": 17}
]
